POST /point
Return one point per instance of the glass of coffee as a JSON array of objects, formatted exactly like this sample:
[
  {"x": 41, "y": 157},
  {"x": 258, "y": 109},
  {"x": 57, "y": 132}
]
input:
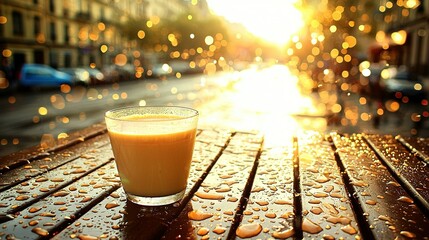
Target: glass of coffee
[{"x": 153, "y": 149}]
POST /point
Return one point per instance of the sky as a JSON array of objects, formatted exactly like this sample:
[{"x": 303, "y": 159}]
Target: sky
[{"x": 273, "y": 20}]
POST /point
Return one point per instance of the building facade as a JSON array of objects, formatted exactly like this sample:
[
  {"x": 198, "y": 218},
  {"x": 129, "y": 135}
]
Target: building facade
[
  {"x": 71, "y": 33},
  {"x": 404, "y": 26}
]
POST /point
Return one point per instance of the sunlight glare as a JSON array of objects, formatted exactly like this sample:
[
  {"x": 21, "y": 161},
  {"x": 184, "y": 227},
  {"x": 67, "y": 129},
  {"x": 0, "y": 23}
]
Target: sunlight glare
[{"x": 270, "y": 19}]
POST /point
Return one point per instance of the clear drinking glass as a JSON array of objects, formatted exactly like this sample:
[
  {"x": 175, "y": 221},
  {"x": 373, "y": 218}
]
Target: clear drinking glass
[{"x": 153, "y": 149}]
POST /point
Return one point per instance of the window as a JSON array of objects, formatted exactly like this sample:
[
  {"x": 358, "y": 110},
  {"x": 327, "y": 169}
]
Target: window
[
  {"x": 53, "y": 33},
  {"x": 66, "y": 33},
  {"x": 37, "y": 26},
  {"x": 18, "y": 23},
  {"x": 51, "y": 6}
]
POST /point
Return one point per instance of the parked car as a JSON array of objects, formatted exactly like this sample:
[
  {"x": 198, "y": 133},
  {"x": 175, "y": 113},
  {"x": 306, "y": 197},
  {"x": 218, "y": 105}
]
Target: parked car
[
  {"x": 406, "y": 83},
  {"x": 39, "y": 75},
  {"x": 80, "y": 75},
  {"x": 95, "y": 75}
]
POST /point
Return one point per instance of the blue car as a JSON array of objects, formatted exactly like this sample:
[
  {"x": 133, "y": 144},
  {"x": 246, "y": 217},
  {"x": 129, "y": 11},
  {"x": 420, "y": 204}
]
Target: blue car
[{"x": 39, "y": 75}]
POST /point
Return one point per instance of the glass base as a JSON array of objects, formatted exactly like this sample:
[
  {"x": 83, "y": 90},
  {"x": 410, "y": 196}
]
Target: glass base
[{"x": 155, "y": 201}]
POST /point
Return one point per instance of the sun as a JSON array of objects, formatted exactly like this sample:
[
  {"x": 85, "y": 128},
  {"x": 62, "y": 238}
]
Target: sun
[{"x": 273, "y": 20}]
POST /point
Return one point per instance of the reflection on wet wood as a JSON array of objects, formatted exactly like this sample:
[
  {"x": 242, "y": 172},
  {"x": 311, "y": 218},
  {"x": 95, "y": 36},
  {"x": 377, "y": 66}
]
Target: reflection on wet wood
[{"x": 321, "y": 186}]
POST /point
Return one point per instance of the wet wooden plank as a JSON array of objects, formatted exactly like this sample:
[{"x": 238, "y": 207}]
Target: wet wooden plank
[
  {"x": 18, "y": 197},
  {"x": 60, "y": 208},
  {"x": 418, "y": 146},
  {"x": 326, "y": 208},
  {"x": 270, "y": 209},
  {"x": 411, "y": 171},
  {"x": 128, "y": 220},
  {"x": 37, "y": 167},
  {"x": 217, "y": 205},
  {"x": 386, "y": 209},
  {"x": 46, "y": 149}
]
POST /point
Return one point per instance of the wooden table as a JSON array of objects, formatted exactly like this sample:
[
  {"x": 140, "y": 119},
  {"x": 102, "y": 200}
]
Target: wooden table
[{"x": 321, "y": 186}]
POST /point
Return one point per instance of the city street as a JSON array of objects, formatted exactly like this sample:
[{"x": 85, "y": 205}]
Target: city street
[{"x": 271, "y": 100}]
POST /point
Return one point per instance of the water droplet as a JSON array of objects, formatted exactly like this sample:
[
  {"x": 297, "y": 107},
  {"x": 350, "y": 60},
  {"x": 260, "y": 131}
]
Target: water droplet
[
  {"x": 408, "y": 234},
  {"x": 371, "y": 202},
  {"x": 320, "y": 194},
  {"x": 331, "y": 208},
  {"x": 349, "y": 229},
  {"x": 283, "y": 202},
  {"x": 41, "y": 179},
  {"x": 328, "y": 237},
  {"x": 329, "y": 188},
  {"x": 57, "y": 180},
  {"x": 34, "y": 209},
  {"x": 115, "y": 195},
  {"x": 22, "y": 197},
  {"x": 284, "y": 234},
  {"x": 224, "y": 189},
  {"x": 47, "y": 214},
  {"x": 86, "y": 237},
  {"x": 116, "y": 217},
  {"x": 111, "y": 204},
  {"x": 198, "y": 215},
  {"x": 385, "y": 218},
  {"x": 336, "y": 195},
  {"x": 314, "y": 201},
  {"x": 232, "y": 199},
  {"x": 270, "y": 215},
  {"x": 310, "y": 227},
  {"x": 219, "y": 230},
  {"x": 33, "y": 223},
  {"x": 316, "y": 210},
  {"x": 248, "y": 230},
  {"x": 203, "y": 231},
  {"x": 61, "y": 193},
  {"x": 230, "y": 213},
  {"x": 40, "y": 231},
  {"x": 86, "y": 199},
  {"x": 342, "y": 220},
  {"x": 405, "y": 199},
  {"x": 322, "y": 179},
  {"x": 287, "y": 215},
  {"x": 77, "y": 171},
  {"x": 258, "y": 189},
  {"x": 394, "y": 184},
  {"x": 262, "y": 203},
  {"x": 209, "y": 196},
  {"x": 359, "y": 183}
]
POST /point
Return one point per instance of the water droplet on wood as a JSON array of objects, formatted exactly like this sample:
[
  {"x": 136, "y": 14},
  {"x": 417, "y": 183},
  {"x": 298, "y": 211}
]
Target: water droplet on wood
[
  {"x": 198, "y": 215},
  {"x": 310, "y": 227},
  {"x": 203, "y": 231},
  {"x": 408, "y": 234},
  {"x": 405, "y": 199},
  {"x": 248, "y": 230},
  {"x": 284, "y": 234},
  {"x": 111, "y": 204},
  {"x": 40, "y": 231},
  {"x": 209, "y": 196},
  {"x": 22, "y": 197},
  {"x": 349, "y": 229},
  {"x": 283, "y": 202}
]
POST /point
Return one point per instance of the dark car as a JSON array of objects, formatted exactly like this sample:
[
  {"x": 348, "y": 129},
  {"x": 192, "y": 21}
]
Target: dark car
[
  {"x": 39, "y": 75},
  {"x": 80, "y": 75},
  {"x": 404, "y": 83}
]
